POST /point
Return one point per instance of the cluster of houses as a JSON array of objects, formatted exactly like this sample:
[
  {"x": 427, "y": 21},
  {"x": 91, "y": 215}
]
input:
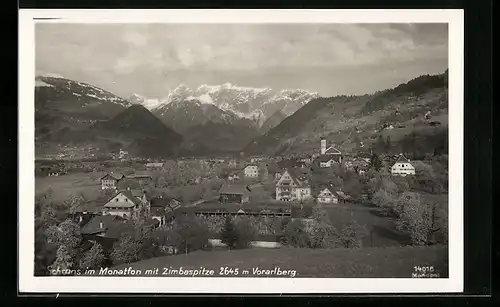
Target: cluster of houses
[{"x": 116, "y": 214}]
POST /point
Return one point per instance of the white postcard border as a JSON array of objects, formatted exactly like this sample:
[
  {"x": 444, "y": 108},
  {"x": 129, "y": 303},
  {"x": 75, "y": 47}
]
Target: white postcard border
[{"x": 29, "y": 283}]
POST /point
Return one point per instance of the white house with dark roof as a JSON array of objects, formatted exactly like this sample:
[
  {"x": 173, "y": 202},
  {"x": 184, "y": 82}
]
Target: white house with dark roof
[
  {"x": 326, "y": 196},
  {"x": 402, "y": 167},
  {"x": 126, "y": 204},
  {"x": 110, "y": 180},
  {"x": 251, "y": 171},
  {"x": 293, "y": 186}
]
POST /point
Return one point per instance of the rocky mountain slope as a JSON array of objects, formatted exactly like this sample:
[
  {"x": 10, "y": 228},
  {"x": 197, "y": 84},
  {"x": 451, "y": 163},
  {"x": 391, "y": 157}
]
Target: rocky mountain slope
[
  {"x": 393, "y": 119},
  {"x": 255, "y": 104},
  {"x": 63, "y": 104},
  {"x": 135, "y": 130}
]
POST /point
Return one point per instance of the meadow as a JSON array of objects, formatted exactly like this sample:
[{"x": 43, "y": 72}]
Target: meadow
[{"x": 387, "y": 262}]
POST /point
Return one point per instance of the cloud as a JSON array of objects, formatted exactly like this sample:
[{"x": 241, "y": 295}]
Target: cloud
[{"x": 142, "y": 51}]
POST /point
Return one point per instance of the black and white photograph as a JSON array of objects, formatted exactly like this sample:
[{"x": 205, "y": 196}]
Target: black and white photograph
[{"x": 184, "y": 151}]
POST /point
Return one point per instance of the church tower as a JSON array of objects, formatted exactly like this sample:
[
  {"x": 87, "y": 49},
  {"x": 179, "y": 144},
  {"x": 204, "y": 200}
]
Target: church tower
[{"x": 323, "y": 146}]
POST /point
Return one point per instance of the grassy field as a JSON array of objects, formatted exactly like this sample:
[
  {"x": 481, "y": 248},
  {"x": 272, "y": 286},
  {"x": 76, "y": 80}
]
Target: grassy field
[
  {"x": 397, "y": 262},
  {"x": 380, "y": 230},
  {"x": 71, "y": 184}
]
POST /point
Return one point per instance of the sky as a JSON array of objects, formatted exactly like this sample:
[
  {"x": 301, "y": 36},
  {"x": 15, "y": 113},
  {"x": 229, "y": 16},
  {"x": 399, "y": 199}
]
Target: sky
[{"x": 331, "y": 59}]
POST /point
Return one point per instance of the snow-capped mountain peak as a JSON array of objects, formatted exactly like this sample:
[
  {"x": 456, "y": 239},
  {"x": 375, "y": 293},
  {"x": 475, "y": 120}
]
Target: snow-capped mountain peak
[{"x": 256, "y": 104}]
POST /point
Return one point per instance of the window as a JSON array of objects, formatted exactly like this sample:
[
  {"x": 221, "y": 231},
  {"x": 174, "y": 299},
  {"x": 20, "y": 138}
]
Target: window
[
  {"x": 126, "y": 200},
  {"x": 116, "y": 199}
]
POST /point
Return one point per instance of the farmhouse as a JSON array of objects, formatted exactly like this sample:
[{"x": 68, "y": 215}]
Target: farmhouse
[
  {"x": 402, "y": 167},
  {"x": 251, "y": 170},
  {"x": 125, "y": 204},
  {"x": 154, "y": 165},
  {"x": 328, "y": 160},
  {"x": 106, "y": 230},
  {"x": 293, "y": 186},
  {"x": 142, "y": 178},
  {"x": 234, "y": 194},
  {"x": 326, "y": 196},
  {"x": 110, "y": 180}
]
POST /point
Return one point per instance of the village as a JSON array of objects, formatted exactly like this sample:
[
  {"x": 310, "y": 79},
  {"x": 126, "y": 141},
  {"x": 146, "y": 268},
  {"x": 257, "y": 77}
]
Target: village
[{"x": 269, "y": 193}]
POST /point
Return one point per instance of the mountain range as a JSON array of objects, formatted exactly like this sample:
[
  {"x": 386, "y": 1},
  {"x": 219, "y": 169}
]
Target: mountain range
[
  {"x": 213, "y": 120},
  {"x": 393, "y": 117},
  {"x": 254, "y": 104}
]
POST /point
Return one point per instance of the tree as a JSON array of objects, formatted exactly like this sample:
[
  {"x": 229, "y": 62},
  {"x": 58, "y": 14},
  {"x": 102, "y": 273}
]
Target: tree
[
  {"x": 322, "y": 234},
  {"x": 161, "y": 182},
  {"x": 388, "y": 144},
  {"x": 126, "y": 250},
  {"x": 415, "y": 220},
  {"x": 93, "y": 258},
  {"x": 66, "y": 233},
  {"x": 319, "y": 214},
  {"x": 375, "y": 162},
  {"x": 229, "y": 234},
  {"x": 63, "y": 263},
  {"x": 295, "y": 234},
  {"x": 351, "y": 234},
  {"x": 189, "y": 234},
  {"x": 245, "y": 233}
]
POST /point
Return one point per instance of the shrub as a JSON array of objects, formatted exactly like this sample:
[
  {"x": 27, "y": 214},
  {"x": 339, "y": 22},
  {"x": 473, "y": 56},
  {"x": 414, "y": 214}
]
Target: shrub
[
  {"x": 189, "y": 234},
  {"x": 229, "y": 234},
  {"x": 93, "y": 258},
  {"x": 245, "y": 233},
  {"x": 126, "y": 250},
  {"x": 351, "y": 235},
  {"x": 416, "y": 221},
  {"x": 296, "y": 235}
]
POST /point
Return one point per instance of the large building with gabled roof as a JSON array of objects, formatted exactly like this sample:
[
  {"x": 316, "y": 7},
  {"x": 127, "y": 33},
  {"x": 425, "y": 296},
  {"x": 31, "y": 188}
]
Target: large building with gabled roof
[
  {"x": 293, "y": 185},
  {"x": 402, "y": 167}
]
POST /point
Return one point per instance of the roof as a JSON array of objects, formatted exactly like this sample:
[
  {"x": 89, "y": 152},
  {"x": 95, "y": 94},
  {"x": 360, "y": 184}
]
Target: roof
[
  {"x": 332, "y": 151},
  {"x": 234, "y": 189},
  {"x": 342, "y": 195},
  {"x": 139, "y": 175},
  {"x": 116, "y": 176},
  {"x": 137, "y": 192},
  {"x": 129, "y": 195},
  {"x": 129, "y": 183},
  {"x": 272, "y": 168},
  {"x": 402, "y": 159},
  {"x": 89, "y": 206},
  {"x": 113, "y": 226},
  {"x": 299, "y": 175},
  {"x": 155, "y": 164},
  {"x": 157, "y": 211},
  {"x": 327, "y": 157},
  {"x": 161, "y": 201}
]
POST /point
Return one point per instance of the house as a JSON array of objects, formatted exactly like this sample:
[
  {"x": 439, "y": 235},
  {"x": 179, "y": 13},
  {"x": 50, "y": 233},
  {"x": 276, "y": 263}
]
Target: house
[
  {"x": 162, "y": 206},
  {"x": 326, "y": 196},
  {"x": 124, "y": 204},
  {"x": 141, "y": 178},
  {"x": 234, "y": 194},
  {"x": 110, "y": 180},
  {"x": 293, "y": 186},
  {"x": 326, "y": 161},
  {"x": 402, "y": 167},
  {"x": 154, "y": 165},
  {"x": 251, "y": 171},
  {"x": 128, "y": 184},
  {"x": 106, "y": 230},
  {"x": 342, "y": 197}
]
